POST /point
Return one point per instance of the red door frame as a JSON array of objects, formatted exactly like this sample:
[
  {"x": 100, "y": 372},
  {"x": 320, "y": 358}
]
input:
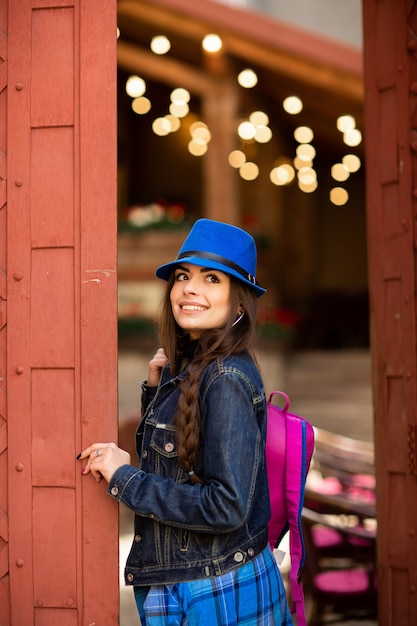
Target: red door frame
[
  {"x": 390, "y": 45},
  {"x": 60, "y": 530}
]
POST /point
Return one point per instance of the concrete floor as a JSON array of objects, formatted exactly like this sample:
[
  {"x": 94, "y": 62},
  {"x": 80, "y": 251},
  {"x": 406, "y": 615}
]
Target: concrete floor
[{"x": 331, "y": 389}]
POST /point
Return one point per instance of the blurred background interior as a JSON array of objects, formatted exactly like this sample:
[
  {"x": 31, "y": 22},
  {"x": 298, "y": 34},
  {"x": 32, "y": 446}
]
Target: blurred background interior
[{"x": 251, "y": 112}]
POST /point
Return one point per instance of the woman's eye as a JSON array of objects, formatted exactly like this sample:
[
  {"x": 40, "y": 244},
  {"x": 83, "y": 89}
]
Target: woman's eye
[
  {"x": 180, "y": 276},
  {"x": 212, "y": 278}
]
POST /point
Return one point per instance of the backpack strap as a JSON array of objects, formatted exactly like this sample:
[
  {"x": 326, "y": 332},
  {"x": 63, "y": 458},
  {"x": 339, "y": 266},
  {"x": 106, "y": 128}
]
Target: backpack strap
[
  {"x": 299, "y": 443},
  {"x": 295, "y": 476}
]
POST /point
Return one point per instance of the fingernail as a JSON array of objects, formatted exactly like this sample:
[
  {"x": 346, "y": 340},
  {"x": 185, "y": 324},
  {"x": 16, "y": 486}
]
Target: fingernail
[
  {"x": 79, "y": 456},
  {"x": 83, "y": 470}
]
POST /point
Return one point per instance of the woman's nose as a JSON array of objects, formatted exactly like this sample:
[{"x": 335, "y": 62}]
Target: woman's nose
[{"x": 190, "y": 286}]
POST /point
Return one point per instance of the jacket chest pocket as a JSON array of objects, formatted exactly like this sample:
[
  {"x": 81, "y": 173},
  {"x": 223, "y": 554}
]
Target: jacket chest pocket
[{"x": 163, "y": 441}]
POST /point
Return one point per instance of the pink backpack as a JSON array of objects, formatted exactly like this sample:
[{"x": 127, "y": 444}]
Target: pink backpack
[{"x": 289, "y": 447}]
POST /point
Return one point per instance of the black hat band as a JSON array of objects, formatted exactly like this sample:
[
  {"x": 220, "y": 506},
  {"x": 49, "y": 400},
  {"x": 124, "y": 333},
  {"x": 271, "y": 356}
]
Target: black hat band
[{"x": 217, "y": 258}]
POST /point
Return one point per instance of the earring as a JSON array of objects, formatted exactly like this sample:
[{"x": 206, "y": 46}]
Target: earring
[{"x": 239, "y": 317}]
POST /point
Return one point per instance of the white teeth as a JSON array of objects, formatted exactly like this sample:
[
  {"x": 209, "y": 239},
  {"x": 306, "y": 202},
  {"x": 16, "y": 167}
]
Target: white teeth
[{"x": 189, "y": 307}]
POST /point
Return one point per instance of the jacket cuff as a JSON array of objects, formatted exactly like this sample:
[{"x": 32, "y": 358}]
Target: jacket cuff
[{"x": 120, "y": 479}]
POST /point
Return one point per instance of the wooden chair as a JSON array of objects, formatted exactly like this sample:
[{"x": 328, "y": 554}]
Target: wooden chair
[
  {"x": 350, "y": 461},
  {"x": 337, "y": 582}
]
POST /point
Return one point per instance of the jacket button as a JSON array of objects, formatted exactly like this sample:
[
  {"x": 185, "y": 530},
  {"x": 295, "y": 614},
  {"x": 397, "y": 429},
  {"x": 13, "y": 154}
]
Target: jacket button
[
  {"x": 238, "y": 557},
  {"x": 251, "y": 551},
  {"x": 138, "y": 538},
  {"x": 169, "y": 447},
  {"x": 114, "y": 490},
  {"x": 144, "y": 454},
  {"x": 130, "y": 577}
]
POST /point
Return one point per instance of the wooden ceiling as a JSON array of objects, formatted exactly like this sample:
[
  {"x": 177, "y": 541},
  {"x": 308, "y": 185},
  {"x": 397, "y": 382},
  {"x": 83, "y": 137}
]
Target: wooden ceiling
[{"x": 326, "y": 75}]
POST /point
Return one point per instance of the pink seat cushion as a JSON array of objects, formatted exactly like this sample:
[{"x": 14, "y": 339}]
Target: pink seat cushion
[
  {"x": 343, "y": 581},
  {"x": 324, "y": 537}
]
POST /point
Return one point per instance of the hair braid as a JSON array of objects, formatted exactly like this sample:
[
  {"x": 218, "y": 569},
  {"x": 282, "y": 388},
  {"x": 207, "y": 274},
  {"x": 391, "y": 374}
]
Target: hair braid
[{"x": 214, "y": 343}]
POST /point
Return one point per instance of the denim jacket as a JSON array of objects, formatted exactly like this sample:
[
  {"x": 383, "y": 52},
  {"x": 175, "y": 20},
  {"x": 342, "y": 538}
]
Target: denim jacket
[{"x": 184, "y": 531}]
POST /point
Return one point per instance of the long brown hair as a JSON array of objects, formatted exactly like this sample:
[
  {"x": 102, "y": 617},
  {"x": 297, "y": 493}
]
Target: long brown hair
[{"x": 213, "y": 343}]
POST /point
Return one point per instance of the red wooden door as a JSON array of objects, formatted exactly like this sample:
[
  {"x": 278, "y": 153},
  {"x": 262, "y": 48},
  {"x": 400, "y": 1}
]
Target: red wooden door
[
  {"x": 390, "y": 28},
  {"x": 58, "y": 379}
]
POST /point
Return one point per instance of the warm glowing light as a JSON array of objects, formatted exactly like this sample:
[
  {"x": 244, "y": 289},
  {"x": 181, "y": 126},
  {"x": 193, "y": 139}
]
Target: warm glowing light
[
  {"x": 308, "y": 187},
  {"x": 306, "y": 152},
  {"x": 180, "y": 95},
  {"x": 174, "y": 121},
  {"x": 259, "y": 118},
  {"x": 352, "y": 137},
  {"x": 197, "y": 147},
  {"x": 161, "y": 126},
  {"x": 263, "y": 134},
  {"x": 201, "y": 132},
  {"x": 307, "y": 175},
  {"x": 246, "y": 130},
  {"x": 299, "y": 163},
  {"x": 282, "y": 175},
  {"x": 249, "y": 171},
  {"x": 339, "y": 196},
  {"x": 247, "y": 79},
  {"x": 141, "y": 105},
  {"x": 237, "y": 158},
  {"x": 352, "y": 162},
  {"x": 117, "y": 32},
  {"x": 212, "y": 43},
  {"x": 292, "y": 105},
  {"x": 340, "y": 172},
  {"x": 179, "y": 109},
  {"x": 160, "y": 44},
  {"x": 135, "y": 86},
  {"x": 303, "y": 134},
  {"x": 345, "y": 122}
]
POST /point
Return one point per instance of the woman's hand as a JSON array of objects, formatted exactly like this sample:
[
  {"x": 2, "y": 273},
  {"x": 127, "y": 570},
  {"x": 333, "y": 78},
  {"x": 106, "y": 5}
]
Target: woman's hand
[
  {"x": 103, "y": 460},
  {"x": 156, "y": 364}
]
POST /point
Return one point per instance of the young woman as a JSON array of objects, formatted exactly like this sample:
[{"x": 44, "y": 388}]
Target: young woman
[{"x": 200, "y": 555}]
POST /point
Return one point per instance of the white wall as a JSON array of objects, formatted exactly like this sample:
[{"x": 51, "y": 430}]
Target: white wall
[{"x": 335, "y": 19}]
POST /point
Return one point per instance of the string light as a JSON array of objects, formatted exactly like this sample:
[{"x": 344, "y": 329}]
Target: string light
[
  {"x": 249, "y": 171},
  {"x": 306, "y": 152},
  {"x": 174, "y": 121},
  {"x": 179, "y": 109},
  {"x": 282, "y": 175},
  {"x": 161, "y": 126},
  {"x": 197, "y": 147},
  {"x": 160, "y": 44},
  {"x": 303, "y": 134},
  {"x": 352, "y": 137},
  {"x": 345, "y": 122},
  {"x": 135, "y": 86},
  {"x": 236, "y": 158},
  {"x": 292, "y": 105},
  {"x": 212, "y": 43},
  {"x": 339, "y": 196},
  {"x": 340, "y": 172},
  {"x": 141, "y": 105},
  {"x": 247, "y": 79},
  {"x": 246, "y": 130},
  {"x": 352, "y": 162},
  {"x": 180, "y": 95}
]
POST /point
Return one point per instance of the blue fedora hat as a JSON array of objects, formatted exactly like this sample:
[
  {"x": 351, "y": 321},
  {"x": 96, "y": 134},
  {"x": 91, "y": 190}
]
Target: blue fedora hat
[{"x": 219, "y": 246}]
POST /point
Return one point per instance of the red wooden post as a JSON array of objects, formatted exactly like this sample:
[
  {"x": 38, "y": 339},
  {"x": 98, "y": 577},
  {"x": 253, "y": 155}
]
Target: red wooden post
[
  {"x": 61, "y": 368},
  {"x": 391, "y": 79}
]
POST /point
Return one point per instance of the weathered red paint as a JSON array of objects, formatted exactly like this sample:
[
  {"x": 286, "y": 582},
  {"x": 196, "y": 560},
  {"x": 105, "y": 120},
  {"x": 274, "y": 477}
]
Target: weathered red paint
[
  {"x": 390, "y": 77},
  {"x": 60, "y": 529}
]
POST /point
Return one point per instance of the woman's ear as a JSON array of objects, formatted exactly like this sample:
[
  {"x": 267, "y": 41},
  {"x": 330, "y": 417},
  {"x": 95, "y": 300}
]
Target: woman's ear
[{"x": 240, "y": 314}]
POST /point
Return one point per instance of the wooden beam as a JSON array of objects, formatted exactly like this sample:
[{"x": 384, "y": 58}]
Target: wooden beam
[
  {"x": 164, "y": 69},
  {"x": 308, "y": 59}
]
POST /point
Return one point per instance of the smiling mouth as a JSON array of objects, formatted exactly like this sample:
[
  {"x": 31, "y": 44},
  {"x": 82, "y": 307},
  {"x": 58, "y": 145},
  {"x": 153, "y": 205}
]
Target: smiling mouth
[{"x": 192, "y": 307}]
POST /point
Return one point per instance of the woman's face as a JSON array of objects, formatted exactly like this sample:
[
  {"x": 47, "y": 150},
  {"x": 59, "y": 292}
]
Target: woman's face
[{"x": 200, "y": 298}]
